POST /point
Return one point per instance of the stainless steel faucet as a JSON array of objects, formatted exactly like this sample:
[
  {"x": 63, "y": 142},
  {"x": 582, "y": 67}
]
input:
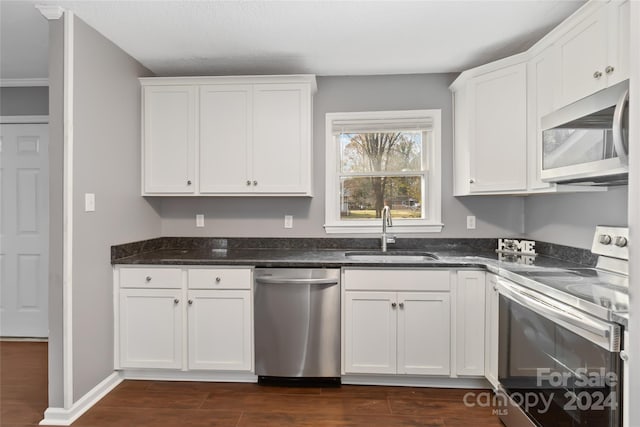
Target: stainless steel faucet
[{"x": 386, "y": 222}]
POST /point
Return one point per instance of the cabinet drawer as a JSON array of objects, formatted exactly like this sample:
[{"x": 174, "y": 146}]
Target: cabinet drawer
[
  {"x": 151, "y": 278},
  {"x": 220, "y": 278},
  {"x": 396, "y": 280}
]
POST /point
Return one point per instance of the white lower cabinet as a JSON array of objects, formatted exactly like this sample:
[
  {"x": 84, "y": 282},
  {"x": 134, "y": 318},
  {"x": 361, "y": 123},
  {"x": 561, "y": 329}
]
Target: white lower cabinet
[
  {"x": 211, "y": 325},
  {"x": 219, "y": 325},
  {"x": 491, "y": 330},
  {"x": 150, "y": 328},
  {"x": 470, "y": 322},
  {"x": 396, "y": 332}
]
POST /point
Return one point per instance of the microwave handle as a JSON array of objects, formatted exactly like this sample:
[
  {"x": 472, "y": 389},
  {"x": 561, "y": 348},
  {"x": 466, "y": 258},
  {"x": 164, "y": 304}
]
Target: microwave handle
[{"x": 618, "y": 141}]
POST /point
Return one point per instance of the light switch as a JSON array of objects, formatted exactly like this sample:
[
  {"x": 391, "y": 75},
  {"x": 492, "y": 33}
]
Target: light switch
[
  {"x": 471, "y": 222},
  {"x": 288, "y": 221},
  {"x": 199, "y": 220},
  {"x": 89, "y": 202}
]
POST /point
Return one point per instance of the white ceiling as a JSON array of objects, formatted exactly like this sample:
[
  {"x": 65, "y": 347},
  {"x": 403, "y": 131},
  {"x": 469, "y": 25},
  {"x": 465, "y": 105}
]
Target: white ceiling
[{"x": 272, "y": 37}]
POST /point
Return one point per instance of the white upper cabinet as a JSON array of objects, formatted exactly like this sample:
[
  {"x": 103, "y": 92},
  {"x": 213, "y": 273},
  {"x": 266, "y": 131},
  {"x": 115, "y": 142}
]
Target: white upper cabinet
[
  {"x": 593, "y": 50},
  {"x": 498, "y": 130},
  {"x": 229, "y": 136},
  {"x": 169, "y": 139},
  {"x": 498, "y": 106},
  {"x": 490, "y": 148}
]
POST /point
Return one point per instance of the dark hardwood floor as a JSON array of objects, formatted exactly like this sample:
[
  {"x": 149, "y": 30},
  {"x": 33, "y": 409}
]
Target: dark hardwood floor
[{"x": 169, "y": 404}]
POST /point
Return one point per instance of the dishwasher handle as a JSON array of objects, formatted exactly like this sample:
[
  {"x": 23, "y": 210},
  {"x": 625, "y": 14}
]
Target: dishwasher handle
[{"x": 278, "y": 280}]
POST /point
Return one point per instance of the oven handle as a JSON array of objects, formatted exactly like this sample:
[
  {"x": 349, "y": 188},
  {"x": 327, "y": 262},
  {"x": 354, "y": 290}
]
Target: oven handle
[
  {"x": 618, "y": 139},
  {"x": 277, "y": 280},
  {"x": 555, "y": 314}
]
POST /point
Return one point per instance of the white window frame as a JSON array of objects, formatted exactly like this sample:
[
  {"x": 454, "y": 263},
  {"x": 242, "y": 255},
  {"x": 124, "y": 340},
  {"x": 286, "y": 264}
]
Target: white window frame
[{"x": 433, "y": 221}]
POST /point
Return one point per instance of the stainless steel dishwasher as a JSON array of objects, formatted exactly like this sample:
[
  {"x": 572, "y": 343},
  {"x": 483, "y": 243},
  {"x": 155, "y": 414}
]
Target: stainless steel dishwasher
[{"x": 297, "y": 326}]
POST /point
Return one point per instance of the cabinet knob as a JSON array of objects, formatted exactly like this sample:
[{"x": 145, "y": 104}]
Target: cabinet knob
[
  {"x": 393, "y": 304},
  {"x": 189, "y": 182},
  {"x": 621, "y": 241},
  {"x": 471, "y": 181},
  {"x": 597, "y": 74},
  {"x": 255, "y": 182},
  {"x": 175, "y": 301},
  {"x": 248, "y": 182},
  {"x": 147, "y": 279},
  {"x": 401, "y": 305},
  {"x": 624, "y": 355},
  {"x": 609, "y": 69},
  {"x": 190, "y": 301},
  {"x": 495, "y": 288},
  {"x": 218, "y": 279}
]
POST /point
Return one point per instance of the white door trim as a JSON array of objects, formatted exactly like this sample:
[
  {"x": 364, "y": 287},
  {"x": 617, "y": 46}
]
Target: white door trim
[
  {"x": 13, "y": 120},
  {"x": 67, "y": 233}
]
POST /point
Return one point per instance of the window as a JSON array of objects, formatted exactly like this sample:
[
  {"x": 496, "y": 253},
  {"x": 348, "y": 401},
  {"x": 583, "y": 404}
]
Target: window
[{"x": 383, "y": 158}]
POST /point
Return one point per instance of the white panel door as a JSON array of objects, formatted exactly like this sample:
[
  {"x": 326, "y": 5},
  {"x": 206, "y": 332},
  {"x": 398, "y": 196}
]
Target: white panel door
[
  {"x": 151, "y": 328},
  {"x": 582, "y": 56},
  {"x": 24, "y": 239},
  {"x": 491, "y": 328},
  {"x": 370, "y": 332},
  {"x": 225, "y": 138},
  {"x": 470, "y": 323},
  {"x": 281, "y": 142},
  {"x": 424, "y": 335},
  {"x": 498, "y": 134},
  {"x": 619, "y": 41},
  {"x": 169, "y": 119},
  {"x": 220, "y": 330}
]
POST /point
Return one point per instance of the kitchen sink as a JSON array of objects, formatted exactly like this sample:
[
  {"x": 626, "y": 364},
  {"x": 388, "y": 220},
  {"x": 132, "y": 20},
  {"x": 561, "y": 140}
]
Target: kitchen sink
[{"x": 390, "y": 256}]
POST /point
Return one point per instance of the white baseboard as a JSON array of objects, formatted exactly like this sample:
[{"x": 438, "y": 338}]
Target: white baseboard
[
  {"x": 416, "y": 381},
  {"x": 64, "y": 417},
  {"x": 174, "y": 375}
]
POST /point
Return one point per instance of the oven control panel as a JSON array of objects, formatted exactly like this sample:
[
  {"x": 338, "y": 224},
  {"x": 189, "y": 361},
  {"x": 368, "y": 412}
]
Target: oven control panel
[{"x": 611, "y": 242}]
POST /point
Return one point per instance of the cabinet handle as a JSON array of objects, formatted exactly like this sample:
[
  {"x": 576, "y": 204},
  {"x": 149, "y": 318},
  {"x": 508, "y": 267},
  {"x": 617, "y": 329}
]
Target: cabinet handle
[
  {"x": 401, "y": 305},
  {"x": 471, "y": 181},
  {"x": 218, "y": 279},
  {"x": 190, "y": 301},
  {"x": 248, "y": 182},
  {"x": 175, "y": 301},
  {"x": 597, "y": 74},
  {"x": 255, "y": 182},
  {"x": 393, "y": 304},
  {"x": 147, "y": 279},
  {"x": 609, "y": 69},
  {"x": 189, "y": 182}
]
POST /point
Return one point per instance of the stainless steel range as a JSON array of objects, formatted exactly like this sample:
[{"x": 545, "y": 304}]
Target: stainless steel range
[{"x": 560, "y": 340}]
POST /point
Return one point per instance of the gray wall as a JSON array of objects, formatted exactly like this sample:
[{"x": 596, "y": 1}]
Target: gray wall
[
  {"x": 56, "y": 138},
  {"x": 24, "y": 101},
  {"x": 263, "y": 217},
  {"x": 106, "y": 162},
  {"x": 570, "y": 219}
]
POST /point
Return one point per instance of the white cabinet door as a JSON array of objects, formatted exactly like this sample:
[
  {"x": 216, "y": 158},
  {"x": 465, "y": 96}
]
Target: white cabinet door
[
  {"x": 423, "y": 333},
  {"x": 498, "y": 132},
  {"x": 281, "y": 149},
  {"x": 225, "y": 138},
  {"x": 169, "y": 139},
  {"x": 150, "y": 328},
  {"x": 219, "y": 325},
  {"x": 582, "y": 56},
  {"x": 542, "y": 79},
  {"x": 470, "y": 322},
  {"x": 491, "y": 331},
  {"x": 370, "y": 332},
  {"x": 618, "y": 50}
]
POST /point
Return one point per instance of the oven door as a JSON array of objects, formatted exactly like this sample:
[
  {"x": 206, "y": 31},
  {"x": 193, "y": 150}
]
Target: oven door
[{"x": 560, "y": 366}]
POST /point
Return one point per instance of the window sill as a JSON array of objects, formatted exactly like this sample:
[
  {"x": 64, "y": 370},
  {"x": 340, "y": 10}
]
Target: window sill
[{"x": 377, "y": 229}]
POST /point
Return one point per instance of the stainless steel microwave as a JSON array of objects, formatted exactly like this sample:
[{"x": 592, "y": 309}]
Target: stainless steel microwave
[{"x": 587, "y": 142}]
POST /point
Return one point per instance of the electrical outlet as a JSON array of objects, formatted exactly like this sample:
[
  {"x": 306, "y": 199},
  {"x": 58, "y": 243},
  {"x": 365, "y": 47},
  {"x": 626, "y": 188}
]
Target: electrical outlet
[
  {"x": 471, "y": 222},
  {"x": 89, "y": 202},
  {"x": 288, "y": 221},
  {"x": 199, "y": 220}
]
